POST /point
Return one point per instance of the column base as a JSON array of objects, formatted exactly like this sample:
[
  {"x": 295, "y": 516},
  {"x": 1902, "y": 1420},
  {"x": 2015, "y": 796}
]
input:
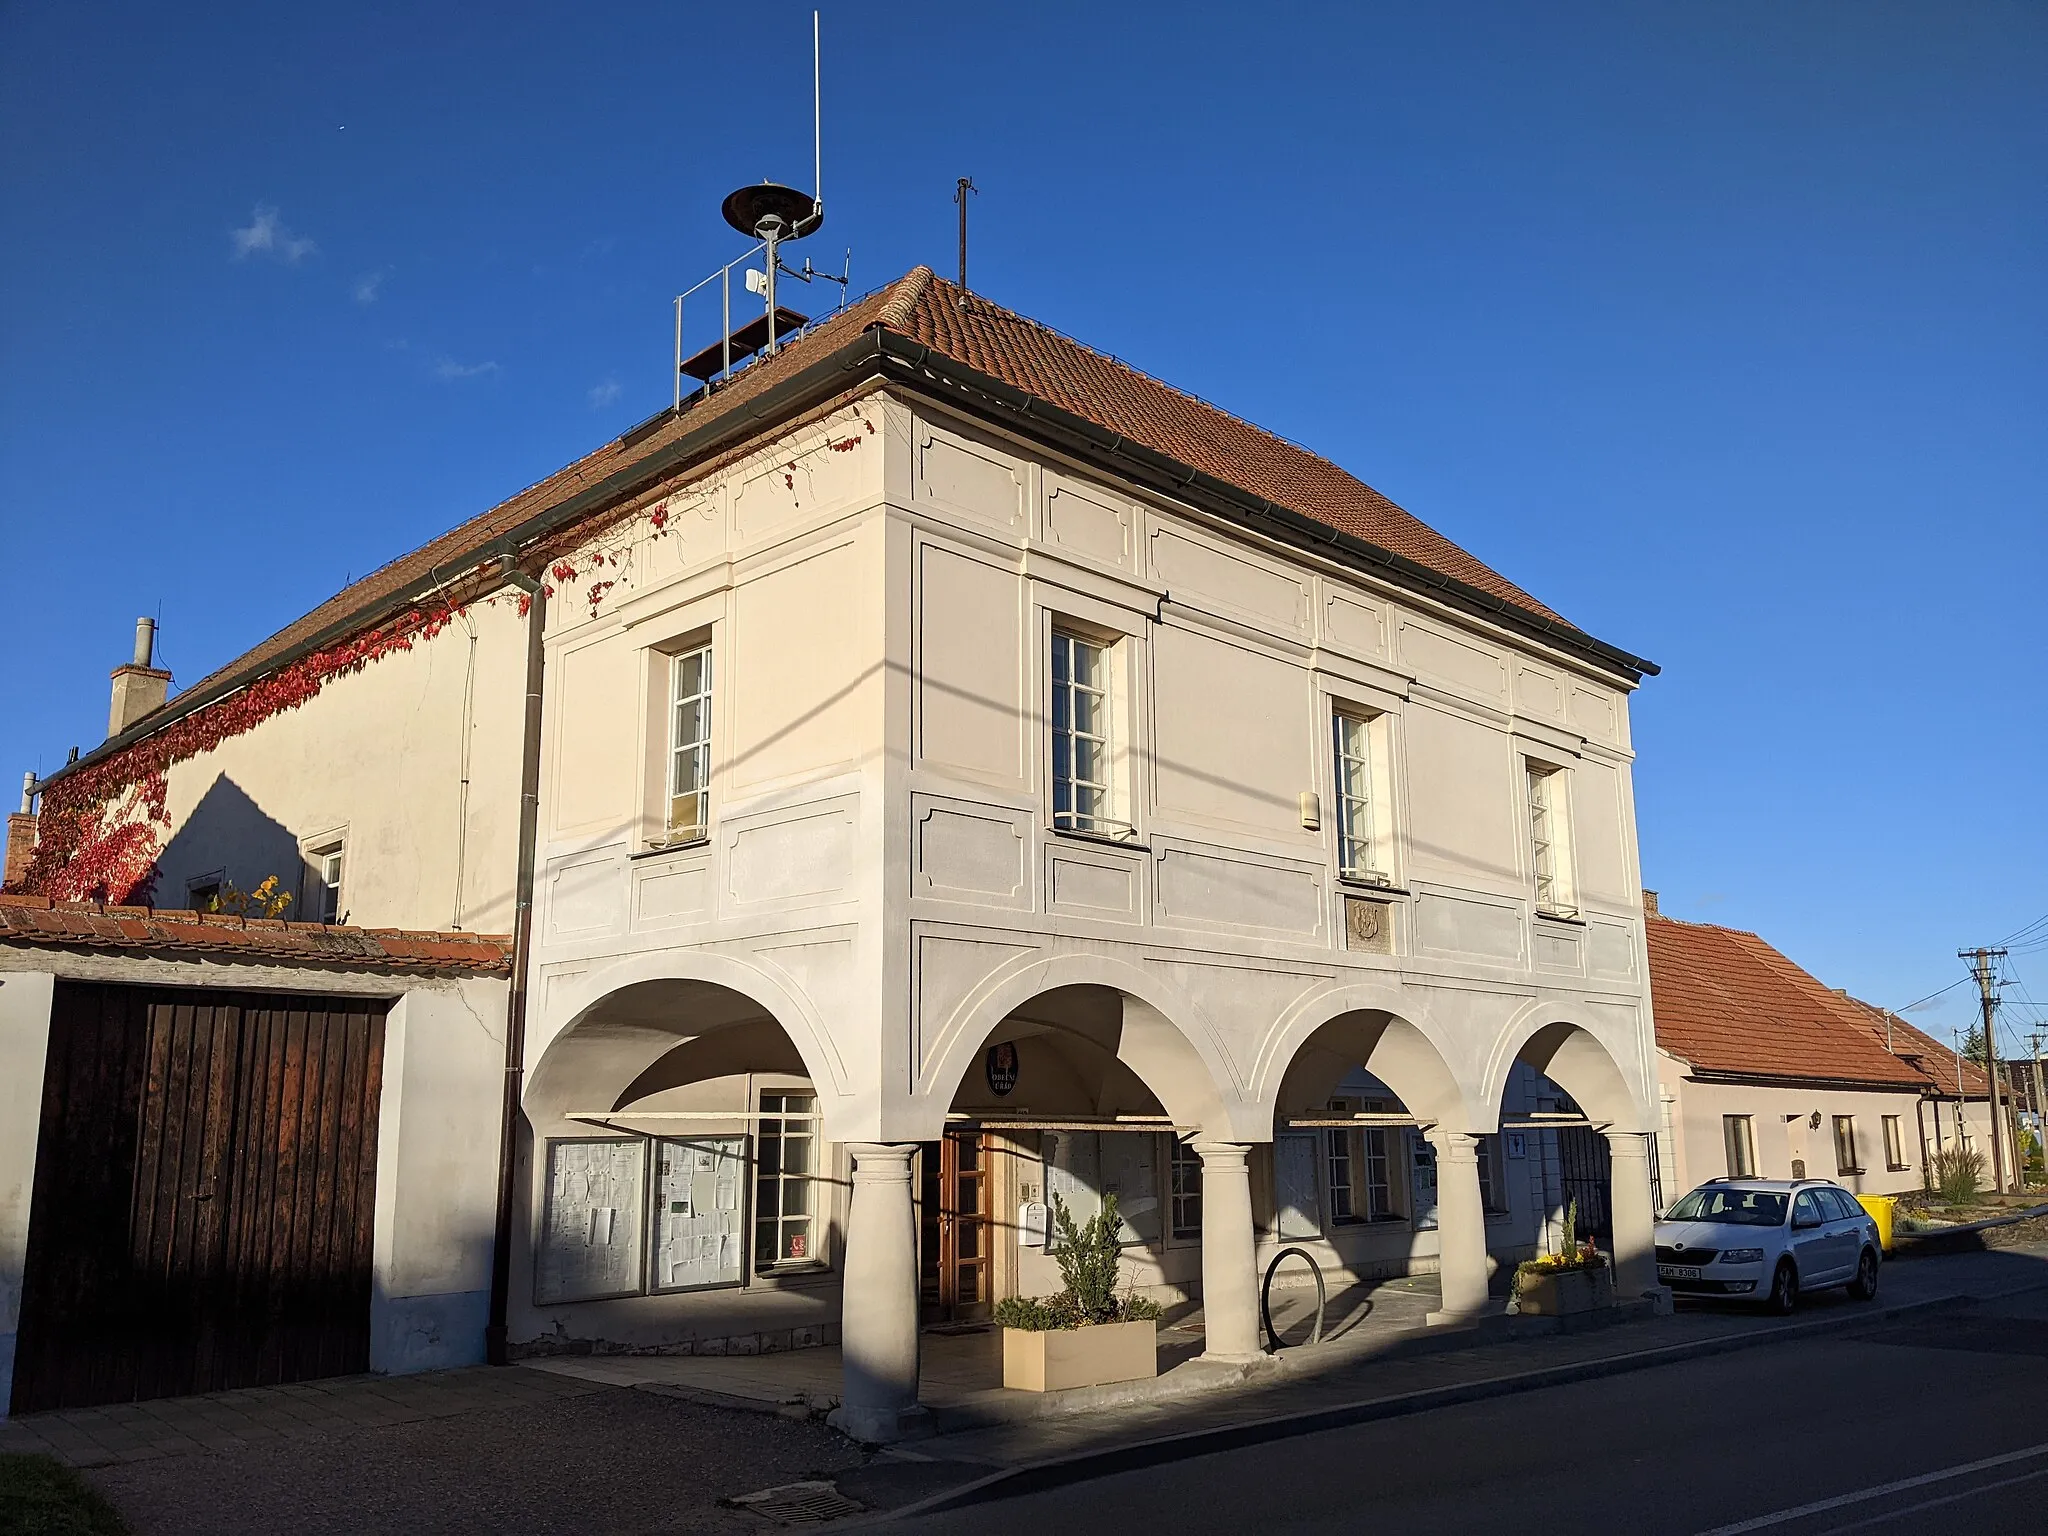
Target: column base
[
  {"x": 1227, "y": 1357},
  {"x": 882, "y": 1426},
  {"x": 1449, "y": 1319}
]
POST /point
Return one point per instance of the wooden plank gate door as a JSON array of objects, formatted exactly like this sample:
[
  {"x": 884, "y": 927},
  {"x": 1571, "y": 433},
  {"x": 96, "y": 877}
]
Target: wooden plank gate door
[{"x": 205, "y": 1185}]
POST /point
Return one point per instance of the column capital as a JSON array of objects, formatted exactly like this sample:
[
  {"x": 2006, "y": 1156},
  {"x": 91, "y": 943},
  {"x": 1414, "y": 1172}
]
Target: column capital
[
  {"x": 1630, "y": 1144},
  {"x": 1222, "y": 1156},
  {"x": 1457, "y": 1145},
  {"x": 881, "y": 1161}
]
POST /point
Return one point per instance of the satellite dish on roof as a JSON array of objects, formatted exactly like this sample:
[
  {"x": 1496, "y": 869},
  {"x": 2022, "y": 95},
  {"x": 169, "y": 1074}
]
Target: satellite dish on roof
[{"x": 767, "y": 207}]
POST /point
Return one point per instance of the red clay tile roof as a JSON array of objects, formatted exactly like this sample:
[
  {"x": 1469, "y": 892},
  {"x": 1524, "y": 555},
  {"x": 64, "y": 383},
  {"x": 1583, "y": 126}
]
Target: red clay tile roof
[
  {"x": 1727, "y": 1002},
  {"x": 36, "y": 920},
  {"x": 1936, "y": 1062},
  {"x": 993, "y": 341}
]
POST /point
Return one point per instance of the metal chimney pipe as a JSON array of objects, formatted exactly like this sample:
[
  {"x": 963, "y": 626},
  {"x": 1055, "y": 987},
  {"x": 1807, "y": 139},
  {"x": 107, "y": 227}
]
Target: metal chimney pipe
[
  {"x": 145, "y": 642},
  {"x": 28, "y": 794}
]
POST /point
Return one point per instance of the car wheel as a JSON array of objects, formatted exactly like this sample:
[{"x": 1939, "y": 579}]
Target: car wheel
[
  {"x": 1864, "y": 1286},
  {"x": 1784, "y": 1288}
]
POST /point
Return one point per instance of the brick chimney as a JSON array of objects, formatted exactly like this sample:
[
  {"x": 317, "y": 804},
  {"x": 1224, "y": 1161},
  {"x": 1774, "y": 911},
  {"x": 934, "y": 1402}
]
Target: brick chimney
[
  {"x": 21, "y": 835},
  {"x": 1650, "y": 903},
  {"x": 139, "y": 687}
]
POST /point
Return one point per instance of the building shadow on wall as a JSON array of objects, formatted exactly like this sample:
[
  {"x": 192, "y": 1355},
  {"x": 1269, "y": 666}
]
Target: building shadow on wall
[{"x": 228, "y": 837}]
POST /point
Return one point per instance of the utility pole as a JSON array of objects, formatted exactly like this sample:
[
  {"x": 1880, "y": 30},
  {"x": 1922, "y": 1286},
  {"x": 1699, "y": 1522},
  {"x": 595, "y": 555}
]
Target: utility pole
[
  {"x": 1987, "y": 996},
  {"x": 964, "y": 186},
  {"x": 2040, "y": 1107}
]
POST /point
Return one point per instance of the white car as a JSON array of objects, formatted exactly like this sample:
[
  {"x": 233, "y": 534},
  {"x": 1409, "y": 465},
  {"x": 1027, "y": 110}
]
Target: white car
[{"x": 1768, "y": 1240}]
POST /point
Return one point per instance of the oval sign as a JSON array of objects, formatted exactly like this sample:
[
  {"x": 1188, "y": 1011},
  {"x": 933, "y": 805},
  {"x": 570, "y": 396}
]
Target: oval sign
[{"x": 1002, "y": 1068}]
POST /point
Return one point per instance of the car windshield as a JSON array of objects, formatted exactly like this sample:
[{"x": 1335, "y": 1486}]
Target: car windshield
[{"x": 1742, "y": 1207}]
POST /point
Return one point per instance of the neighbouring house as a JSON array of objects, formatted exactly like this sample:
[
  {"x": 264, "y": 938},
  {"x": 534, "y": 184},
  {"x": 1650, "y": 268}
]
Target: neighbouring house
[
  {"x": 1955, "y": 1108},
  {"x": 937, "y": 772},
  {"x": 1765, "y": 1071}
]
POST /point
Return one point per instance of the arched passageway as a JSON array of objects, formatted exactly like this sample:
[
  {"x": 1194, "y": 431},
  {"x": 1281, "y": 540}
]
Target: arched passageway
[{"x": 682, "y": 1192}]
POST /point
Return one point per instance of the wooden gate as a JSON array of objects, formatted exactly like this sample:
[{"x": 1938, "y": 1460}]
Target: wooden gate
[{"x": 205, "y": 1185}]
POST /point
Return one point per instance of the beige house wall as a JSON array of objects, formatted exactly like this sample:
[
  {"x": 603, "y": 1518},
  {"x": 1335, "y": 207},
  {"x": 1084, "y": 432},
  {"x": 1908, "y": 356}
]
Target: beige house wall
[
  {"x": 376, "y": 761},
  {"x": 1781, "y": 1120}
]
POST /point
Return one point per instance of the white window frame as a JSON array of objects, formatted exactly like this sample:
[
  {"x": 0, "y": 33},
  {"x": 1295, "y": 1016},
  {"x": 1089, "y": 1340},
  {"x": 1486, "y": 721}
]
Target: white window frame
[
  {"x": 326, "y": 869},
  {"x": 788, "y": 1115},
  {"x": 693, "y": 754},
  {"x": 1104, "y": 818},
  {"x": 1356, "y": 794},
  {"x": 1548, "y": 790},
  {"x": 1493, "y": 1174}
]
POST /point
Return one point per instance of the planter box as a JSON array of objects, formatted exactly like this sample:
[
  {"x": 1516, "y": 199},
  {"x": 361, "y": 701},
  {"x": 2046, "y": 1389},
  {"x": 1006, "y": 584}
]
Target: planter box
[
  {"x": 1060, "y": 1358},
  {"x": 1564, "y": 1292}
]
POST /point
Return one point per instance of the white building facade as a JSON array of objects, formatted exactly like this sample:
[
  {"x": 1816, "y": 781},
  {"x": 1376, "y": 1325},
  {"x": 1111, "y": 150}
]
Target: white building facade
[{"x": 935, "y": 822}]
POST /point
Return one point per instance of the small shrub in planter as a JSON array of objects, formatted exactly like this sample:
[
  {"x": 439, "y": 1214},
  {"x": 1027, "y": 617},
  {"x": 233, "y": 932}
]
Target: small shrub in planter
[
  {"x": 1573, "y": 1279},
  {"x": 1087, "y": 1334}
]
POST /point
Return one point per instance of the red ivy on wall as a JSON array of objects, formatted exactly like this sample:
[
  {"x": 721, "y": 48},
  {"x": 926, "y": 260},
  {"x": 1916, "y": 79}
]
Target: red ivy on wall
[{"x": 98, "y": 836}]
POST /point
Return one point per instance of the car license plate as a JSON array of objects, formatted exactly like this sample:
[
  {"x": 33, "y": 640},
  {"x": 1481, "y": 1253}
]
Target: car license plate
[{"x": 1678, "y": 1272}]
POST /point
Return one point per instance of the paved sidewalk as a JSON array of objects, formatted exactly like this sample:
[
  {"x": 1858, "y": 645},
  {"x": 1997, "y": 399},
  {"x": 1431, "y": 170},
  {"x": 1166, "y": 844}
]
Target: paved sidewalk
[{"x": 530, "y": 1449}]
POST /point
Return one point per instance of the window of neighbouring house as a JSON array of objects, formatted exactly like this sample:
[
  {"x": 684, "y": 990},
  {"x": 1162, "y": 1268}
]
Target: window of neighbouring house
[
  {"x": 689, "y": 756},
  {"x": 1358, "y": 855},
  {"x": 1185, "y": 1192},
  {"x": 203, "y": 894},
  {"x": 1738, "y": 1135},
  {"x": 1845, "y": 1145},
  {"x": 320, "y": 893},
  {"x": 1894, "y": 1144},
  {"x": 786, "y": 1182},
  {"x": 1083, "y": 794},
  {"x": 1549, "y": 846}
]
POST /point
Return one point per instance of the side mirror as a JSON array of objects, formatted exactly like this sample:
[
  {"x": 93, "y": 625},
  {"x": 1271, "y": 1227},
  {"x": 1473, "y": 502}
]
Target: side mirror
[{"x": 1805, "y": 1221}]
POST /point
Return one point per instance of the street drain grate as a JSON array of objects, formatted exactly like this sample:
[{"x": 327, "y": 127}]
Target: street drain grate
[{"x": 797, "y": 1503}]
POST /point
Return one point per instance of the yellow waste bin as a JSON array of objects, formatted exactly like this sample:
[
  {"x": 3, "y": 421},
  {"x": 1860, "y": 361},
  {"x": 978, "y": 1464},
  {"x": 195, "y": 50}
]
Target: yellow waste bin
[{"x": 1880, "y": 1208}]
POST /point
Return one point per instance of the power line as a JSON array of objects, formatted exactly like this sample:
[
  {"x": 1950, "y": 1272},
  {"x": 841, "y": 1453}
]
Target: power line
[{"x": 1930, "y": 997}]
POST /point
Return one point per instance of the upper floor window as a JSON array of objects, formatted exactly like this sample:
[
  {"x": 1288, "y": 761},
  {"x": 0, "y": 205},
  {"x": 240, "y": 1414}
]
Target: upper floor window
[
  {"x": 1082, "y": 797},
  {"x": 323, "y": 885},
  {"x": 689, "y": 766},
  {"x": 1358, "y": 856},
  {"x": 1549, "y": 848}
]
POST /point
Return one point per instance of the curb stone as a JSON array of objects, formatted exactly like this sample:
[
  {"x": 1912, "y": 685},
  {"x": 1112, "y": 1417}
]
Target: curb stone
[{"x": 1085, "y": 1466}]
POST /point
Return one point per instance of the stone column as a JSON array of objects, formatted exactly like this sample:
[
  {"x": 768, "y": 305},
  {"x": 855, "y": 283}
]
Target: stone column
[
  {"x": 1635, "y": 1219},
  {"x": 1460, "y": 1226},
  {"x": 1230, "y": 1273},
  {"x": 878, "y": 1305}
]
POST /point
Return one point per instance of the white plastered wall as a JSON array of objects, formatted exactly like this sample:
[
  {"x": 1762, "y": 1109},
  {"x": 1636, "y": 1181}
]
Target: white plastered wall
[{"x": 24, "y": 1044}]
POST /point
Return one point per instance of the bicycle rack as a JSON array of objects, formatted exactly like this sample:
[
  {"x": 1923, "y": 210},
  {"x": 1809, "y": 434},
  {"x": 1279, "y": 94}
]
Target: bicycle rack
[{"x": 1266, "y": 1295}]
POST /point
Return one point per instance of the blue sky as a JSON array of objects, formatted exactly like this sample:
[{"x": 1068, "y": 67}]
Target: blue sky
[{"x": 1720, "y": 328}]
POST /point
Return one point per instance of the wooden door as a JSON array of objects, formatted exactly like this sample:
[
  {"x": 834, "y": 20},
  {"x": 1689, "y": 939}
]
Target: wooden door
[
  {"x": 205, "y": 1186},
  {"x": 954, "y": 1228}
]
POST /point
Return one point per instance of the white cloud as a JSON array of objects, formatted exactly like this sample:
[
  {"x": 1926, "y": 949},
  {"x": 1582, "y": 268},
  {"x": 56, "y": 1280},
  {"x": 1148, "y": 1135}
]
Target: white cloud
[
  {"x": 448, "y": 368},
  {"x": 367, "y": 287},
  {"x": 266, "y": 235},
  {"x": 602, "y": 395}
]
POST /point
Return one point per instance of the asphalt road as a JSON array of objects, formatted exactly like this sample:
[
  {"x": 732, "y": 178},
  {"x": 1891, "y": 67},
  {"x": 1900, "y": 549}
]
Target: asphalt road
[{"x": 1931, "y": 1424}]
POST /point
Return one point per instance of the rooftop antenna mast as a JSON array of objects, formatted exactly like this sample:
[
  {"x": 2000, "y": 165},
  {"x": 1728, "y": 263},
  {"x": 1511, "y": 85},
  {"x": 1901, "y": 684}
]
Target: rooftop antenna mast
[
  {"x": 772, "y": 214},
  {"x": 960, "y": 190}
]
